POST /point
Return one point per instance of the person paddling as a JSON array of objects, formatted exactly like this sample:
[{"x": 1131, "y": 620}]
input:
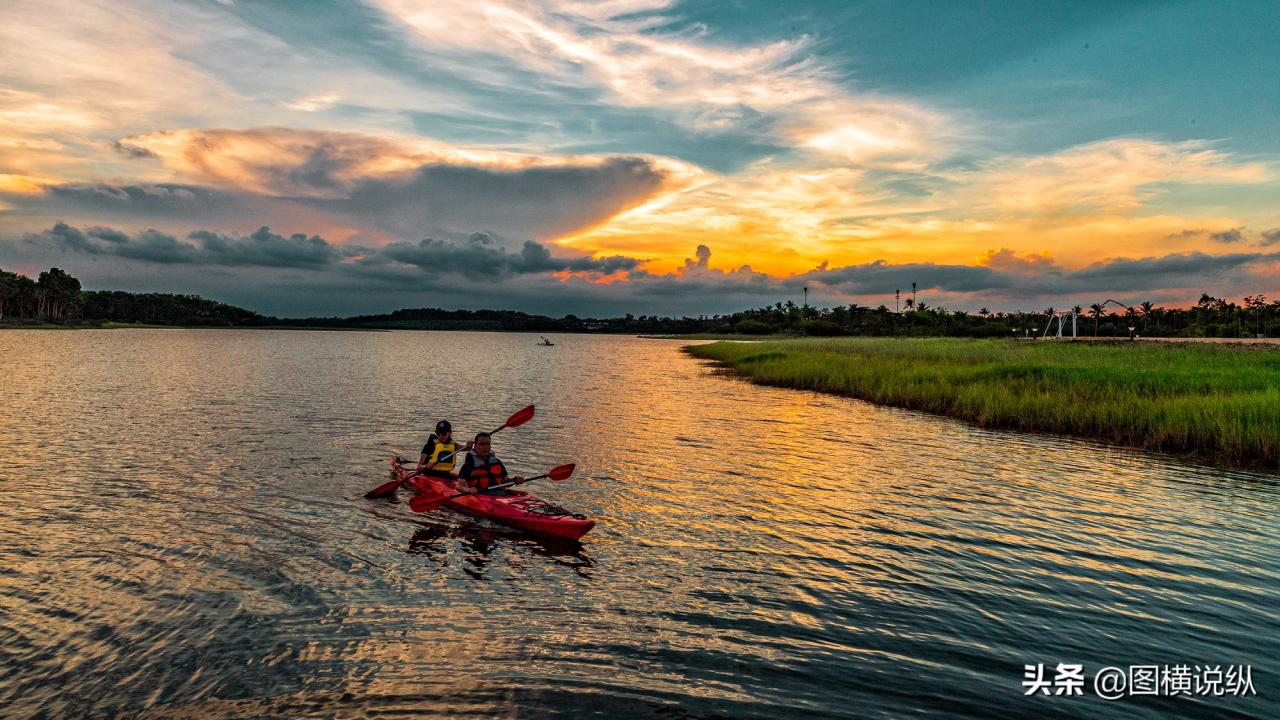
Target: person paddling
[
  {"x": 482, "y": 469},
  {"x": 440, "y": 452}
]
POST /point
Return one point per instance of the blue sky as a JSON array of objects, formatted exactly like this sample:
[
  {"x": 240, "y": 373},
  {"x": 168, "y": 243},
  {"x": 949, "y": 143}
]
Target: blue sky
[{"x": 641, "y": 155}]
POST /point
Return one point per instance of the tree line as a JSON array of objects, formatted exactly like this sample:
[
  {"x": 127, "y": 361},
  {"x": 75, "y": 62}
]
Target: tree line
[
  {"x": 56, "y": 296},
  {"x": 1209, "y": 317}
]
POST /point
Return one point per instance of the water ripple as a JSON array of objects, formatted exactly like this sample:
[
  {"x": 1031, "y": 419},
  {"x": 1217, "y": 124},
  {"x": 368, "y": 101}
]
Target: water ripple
[{"x": 184, "y": 537}]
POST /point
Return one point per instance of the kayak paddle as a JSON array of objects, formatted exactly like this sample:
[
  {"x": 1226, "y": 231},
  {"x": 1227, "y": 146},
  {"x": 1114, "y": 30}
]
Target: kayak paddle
[
  {"x": 423, "y": 503},
  {"x": 387, "y": 489},
  {"x": 519, "y": 418}
]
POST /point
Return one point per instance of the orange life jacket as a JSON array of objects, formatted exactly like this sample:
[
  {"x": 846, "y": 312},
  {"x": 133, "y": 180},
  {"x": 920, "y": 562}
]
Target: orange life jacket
[{"x": 485, "y": 475}]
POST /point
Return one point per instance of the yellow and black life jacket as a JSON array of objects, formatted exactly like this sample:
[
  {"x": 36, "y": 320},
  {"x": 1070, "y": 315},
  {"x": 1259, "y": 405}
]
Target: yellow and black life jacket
[{"x": 442, "y": 448}]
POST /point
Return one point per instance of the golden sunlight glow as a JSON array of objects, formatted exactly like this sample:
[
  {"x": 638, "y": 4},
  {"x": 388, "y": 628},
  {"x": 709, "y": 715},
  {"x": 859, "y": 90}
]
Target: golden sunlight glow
[
  {"x": 1080, "y": 206},
  {"x": 20, "y": 184}
]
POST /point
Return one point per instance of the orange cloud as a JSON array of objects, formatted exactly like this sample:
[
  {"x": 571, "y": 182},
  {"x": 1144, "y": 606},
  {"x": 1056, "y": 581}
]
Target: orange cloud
[
  {"x": 314, "y": 163},
  {"x": 1009, "y": 261},
  {"x": 1115, "y": 175},
  {"x": 1082, "y": 203},
  {"x": 618, "y": 276}
]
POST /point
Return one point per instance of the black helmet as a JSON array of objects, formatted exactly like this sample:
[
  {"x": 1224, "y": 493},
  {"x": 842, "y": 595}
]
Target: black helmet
[{"x": 443, "y": 427}]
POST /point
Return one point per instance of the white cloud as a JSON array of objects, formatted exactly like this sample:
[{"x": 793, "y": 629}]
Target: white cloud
[
  {"x": 1117, "y": 175},
  {"x": 314, "y": 103},
  {"x": 619, "y": 49}
]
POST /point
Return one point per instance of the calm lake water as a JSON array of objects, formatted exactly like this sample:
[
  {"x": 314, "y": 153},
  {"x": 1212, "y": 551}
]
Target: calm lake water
[{"x": 183, "y": 534}]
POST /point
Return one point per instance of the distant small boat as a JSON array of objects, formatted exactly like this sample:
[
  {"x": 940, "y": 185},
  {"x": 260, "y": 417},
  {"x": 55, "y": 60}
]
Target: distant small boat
[{"x": 546, "y": 343}]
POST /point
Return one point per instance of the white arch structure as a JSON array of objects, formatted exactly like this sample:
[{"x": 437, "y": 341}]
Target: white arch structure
[{"x": 1061, "y": 315}]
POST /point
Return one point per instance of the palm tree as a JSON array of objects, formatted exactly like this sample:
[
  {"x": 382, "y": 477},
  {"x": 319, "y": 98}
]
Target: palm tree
[
  {"x": 1096, "y": 311},
  {"x": 1147, "y": 307}
]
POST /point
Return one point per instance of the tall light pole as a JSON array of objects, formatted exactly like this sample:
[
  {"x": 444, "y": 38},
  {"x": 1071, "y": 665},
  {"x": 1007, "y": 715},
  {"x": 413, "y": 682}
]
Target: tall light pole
[
  {"x": 897, "y": 301},
  {"x": 913, "y": 296},
  {"x": 804, "y": 312}
]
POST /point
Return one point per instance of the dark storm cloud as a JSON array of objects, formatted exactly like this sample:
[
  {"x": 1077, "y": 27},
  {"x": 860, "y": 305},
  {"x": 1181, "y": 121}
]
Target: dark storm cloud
[
  {"x": 478, "y": 257},
  {"x": 881, "y": 277},
  {"x": 155, "y": 246},
  {"x": 145, "y": 202},
  {"x": 1228, "y": 236},
  {"x": 262, "y": 248},
  {"x": 267, "y": 249},
  {"x": 474, "y": 259},
  {"x": 149, "y": 245},
  {"x": 436, "y": 200},
  {"x": 1265, "y": 238},
  {"x": 1180, "y": 270},
  {"x": 481, "y": 270},
  {"x": 535, "y": 202}
]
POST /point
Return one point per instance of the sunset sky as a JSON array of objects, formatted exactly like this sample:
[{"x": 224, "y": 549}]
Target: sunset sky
[{"x": 642, "y": 156}]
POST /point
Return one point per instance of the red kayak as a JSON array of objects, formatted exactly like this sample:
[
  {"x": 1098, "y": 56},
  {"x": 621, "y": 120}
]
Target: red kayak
[{"x": 517, "y": 508}]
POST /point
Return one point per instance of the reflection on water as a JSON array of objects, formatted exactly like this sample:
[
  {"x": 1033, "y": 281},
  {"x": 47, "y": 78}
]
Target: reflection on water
[
  {"x": 184, "y": 532},
  {"x": 480, "y": 540}
]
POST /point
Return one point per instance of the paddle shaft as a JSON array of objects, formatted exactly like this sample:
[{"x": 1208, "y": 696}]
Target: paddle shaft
[
  {"x": 437, "y": 503},
  {"x": 432, "y": 504},
  {"x": 446, "y": 456},
  {"x": 517, "y": 419},
  {"x": 440, "y": 459}
]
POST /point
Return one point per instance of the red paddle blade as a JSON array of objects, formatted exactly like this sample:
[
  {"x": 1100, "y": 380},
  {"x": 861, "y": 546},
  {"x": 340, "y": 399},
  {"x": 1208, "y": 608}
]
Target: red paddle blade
[
  {"x": 423, "y": 503},
  {"x": 520, "y": 417},
  {"x": 561, "y": 472},
  {"x": 386, "y": 489}
]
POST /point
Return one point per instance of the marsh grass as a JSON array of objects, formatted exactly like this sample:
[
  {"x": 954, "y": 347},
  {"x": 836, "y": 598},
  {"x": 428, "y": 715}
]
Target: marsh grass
[{"x": 1218, "y": 402}]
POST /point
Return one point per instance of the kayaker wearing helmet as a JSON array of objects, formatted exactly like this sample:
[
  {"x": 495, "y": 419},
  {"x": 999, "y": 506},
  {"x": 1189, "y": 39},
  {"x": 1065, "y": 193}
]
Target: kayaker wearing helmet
[
  {"x": 482, "y": 469},
  {"x": 440, "y": 452}
]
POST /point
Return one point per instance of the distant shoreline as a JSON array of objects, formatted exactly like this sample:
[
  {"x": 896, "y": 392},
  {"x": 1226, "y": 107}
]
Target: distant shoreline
[
  {"x": 1255, "y": 343},
  {"x": 147, "y": 326}
]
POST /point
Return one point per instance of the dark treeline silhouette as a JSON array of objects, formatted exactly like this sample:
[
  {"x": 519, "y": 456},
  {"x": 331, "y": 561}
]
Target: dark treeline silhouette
[
  {"x": 54, "y": 296},
  {"x": 164, "y": 309},
  {"x": 434, "y": 319},
  {"x": 57, "y": 297}
]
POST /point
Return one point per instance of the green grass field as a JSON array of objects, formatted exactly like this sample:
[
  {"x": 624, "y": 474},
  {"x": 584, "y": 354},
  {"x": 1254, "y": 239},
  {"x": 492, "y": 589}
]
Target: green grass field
[{"x": 1217, "y": 402}]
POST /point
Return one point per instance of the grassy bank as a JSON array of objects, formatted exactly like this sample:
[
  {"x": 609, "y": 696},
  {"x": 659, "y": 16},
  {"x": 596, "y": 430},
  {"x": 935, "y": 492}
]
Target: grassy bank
[{"x": 1216, "y": 402}]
